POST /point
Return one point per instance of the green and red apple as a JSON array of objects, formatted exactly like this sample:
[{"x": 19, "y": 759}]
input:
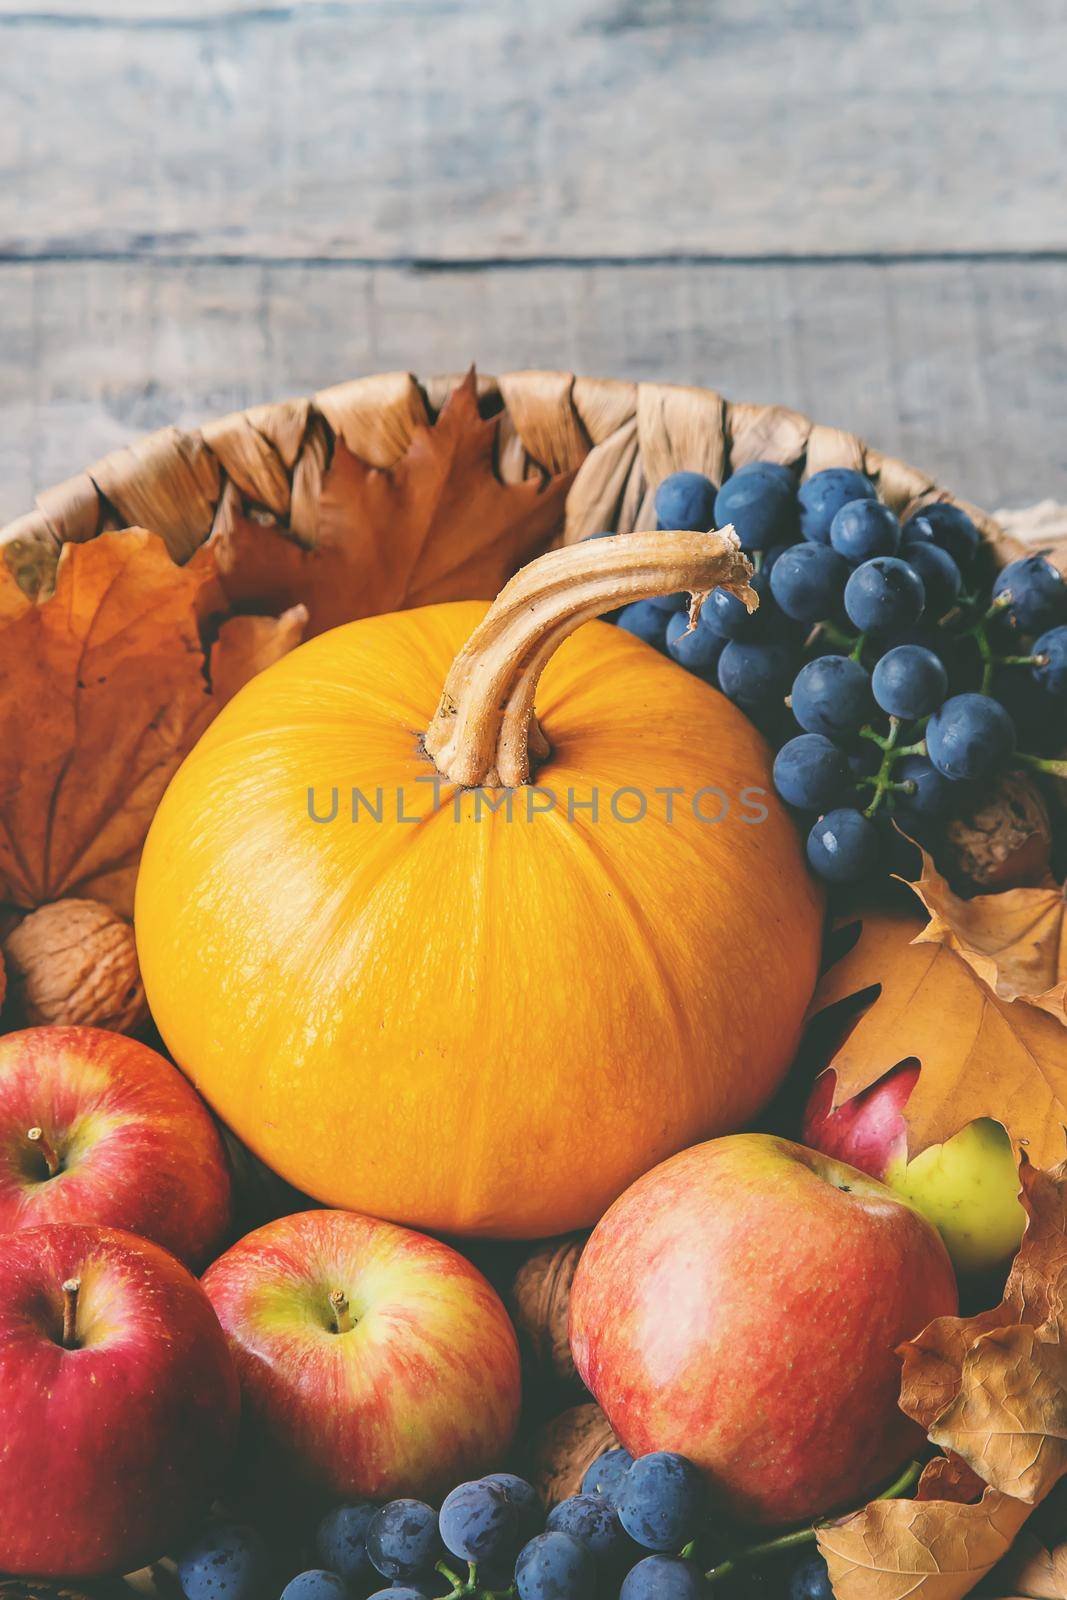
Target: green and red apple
[
  {"x": 743, "y": 1304},
  {"x": 98, "y": 1128},
  {"x": 967, "y": 1187},
  {"x": 118, "y": 1401},
  {"x": 374, "y": 1361}
]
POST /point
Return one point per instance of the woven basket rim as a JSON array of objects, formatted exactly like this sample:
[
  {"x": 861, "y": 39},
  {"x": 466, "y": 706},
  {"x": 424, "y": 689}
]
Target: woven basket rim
[{"x": 271, "y": 456}]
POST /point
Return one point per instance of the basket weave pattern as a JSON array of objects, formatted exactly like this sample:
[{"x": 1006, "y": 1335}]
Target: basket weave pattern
[{"x": 614, "y": 440}]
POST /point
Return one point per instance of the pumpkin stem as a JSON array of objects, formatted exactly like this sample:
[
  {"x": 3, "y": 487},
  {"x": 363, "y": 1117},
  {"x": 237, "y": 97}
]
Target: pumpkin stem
[{"x": 484, "y": 731}]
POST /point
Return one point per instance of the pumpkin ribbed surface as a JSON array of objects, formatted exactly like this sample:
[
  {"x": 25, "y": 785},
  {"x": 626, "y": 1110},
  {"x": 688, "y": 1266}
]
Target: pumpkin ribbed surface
[{"x": 475, "y": 1023}]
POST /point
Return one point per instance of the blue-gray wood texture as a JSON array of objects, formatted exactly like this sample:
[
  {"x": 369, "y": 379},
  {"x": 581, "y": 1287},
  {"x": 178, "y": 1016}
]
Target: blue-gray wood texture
[{"x": 859, "y": 209}]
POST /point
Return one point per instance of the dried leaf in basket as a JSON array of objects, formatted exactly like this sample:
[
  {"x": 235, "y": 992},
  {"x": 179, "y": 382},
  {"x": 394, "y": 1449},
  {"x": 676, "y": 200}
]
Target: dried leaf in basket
[
  {"x": 246, "y": 645},
  {"x": 980, "y": 1056},
  {"x": 102, "y": 691},
  {"x": 438, "y": 525},
  {"x": 990, "y": 1390},
  {"x": 1015, "y": 941}
]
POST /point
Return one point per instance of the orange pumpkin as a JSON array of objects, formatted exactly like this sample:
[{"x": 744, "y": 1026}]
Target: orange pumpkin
[{"x": 493, "y": 1008}]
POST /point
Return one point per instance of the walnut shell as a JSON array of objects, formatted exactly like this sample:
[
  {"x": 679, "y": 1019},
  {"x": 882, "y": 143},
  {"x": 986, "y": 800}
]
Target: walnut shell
[
  {"x": 74, "y": 962},
  {"x": 1003, "y": 840},
  {"x": 540, "y": 1300},
  {"x": 564, "y": 1449}
]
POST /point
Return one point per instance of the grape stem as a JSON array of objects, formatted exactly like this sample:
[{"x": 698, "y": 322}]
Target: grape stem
[
  {"x": 755, "y": 1553},
  {"x": 469, "y": 1586},
  {"x": 1058, "y": 769},
  {"x": 883, "y": 778}
]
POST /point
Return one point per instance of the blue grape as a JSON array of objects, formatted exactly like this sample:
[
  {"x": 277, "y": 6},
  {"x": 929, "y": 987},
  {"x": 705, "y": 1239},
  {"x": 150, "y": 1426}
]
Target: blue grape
[
  {"x": 755, "y": 673},
  {"x": 862, "y": 529},
  {"x": 909, "y": 682},
  {"x": 807, "y": 581},
  {"x": 1037, "y": 592},
  {"x": 662, "y": 1501},
  {"x": 832, "y": 696},
  {"x": 605, "y": 1476},
  {"x": 941, "y": 577},
  {"x": 341, "y": 1541},
  {"x": 228, "y": 1562},
  {"x": 524, "y": 1497},
  {"x": 812, "y": 772},
  {"x": 480, "y": 1522},
  {"x": 883, "y": 594},
  {"x": 969, "y": 735},
  {"x": 316, "y": 1584},
  {"x": 821, "y": 497},
  {"x": 555, "y": 1566},
  {"x": 933, "y": 792},
  {"x": 811, "y": 1581},
  {"x": 1050, "y": 668},
  {"x": 594, "y": 1522},
  {"x": 949, "y": 527},
  {"x": 402, "y": 1591},
  {"x": 664, "y": 1578},
  {"x": 843, "y": 846},
  {"x": 403, "y": 1539},
  {"x": 686, "y": 500},
  {"x": 730, "y": 618},
  {"x": 759, "y": 500},
  {"x": 698, "y": 651},
  {"x": 645, "y": 621}
]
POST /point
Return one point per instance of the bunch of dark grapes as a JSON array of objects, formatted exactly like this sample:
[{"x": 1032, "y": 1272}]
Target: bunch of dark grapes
[
  {"x": 892, "y": 671},
  {"x": 629, "y": 1533}
]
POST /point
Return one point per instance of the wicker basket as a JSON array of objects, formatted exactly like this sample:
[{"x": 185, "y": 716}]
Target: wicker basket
[
  {"x": 587, "y": 452},
  {"x": 612, "y": 441}
]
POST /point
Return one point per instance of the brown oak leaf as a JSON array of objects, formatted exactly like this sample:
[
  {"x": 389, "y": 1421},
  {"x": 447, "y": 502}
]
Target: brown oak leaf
[
  {"x": 1031, "y": 1571},
  {"x": 919, "y": 1549},
  {"x": 981, "y": 1056},
  {"x": 438, "y": 525},
  {"x": 1016, "y": 941},
  {"x": 102, "y": 692}
]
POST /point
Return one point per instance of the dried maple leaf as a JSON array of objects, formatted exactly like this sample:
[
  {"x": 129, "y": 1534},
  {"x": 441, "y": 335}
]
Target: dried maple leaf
[
  {"x": 1016, "y": 941},
  {"x": 439, "y": 525},
  {"x": 992, "y": 1390},
  {"x": 980, "y": 1055},
  {"x": 102, "y": 691}
]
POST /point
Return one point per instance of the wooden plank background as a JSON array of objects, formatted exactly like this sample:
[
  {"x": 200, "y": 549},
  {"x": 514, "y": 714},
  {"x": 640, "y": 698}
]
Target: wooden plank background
[{"x": 855, "y": 208}]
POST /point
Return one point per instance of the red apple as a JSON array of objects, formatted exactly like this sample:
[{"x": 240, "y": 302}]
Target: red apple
[
  {"x": 374, "y": 1361},
  {"x": 742, "y": 1303},
  {"x": 95, "y": 1127},
  {"x": 118, "y": 1401}
]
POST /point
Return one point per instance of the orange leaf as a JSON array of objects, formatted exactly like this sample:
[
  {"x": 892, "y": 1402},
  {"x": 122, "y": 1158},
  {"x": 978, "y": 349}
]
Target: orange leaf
[
  {"x": 102, "y": 692},
  {"x": 1016, "y": 941},
  {"x": 980, "y": 1056},
  {"x": 438, "y": 525},
  {"x": 246, "y": 645}
]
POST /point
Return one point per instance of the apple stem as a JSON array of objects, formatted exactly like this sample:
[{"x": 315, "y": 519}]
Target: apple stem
[
  {"x": 70, "y": 1313},
  {"x": 755, "y": 1553},
  {"x": 39, "y": 1138},
  {"x": 343, "y": 1320}
]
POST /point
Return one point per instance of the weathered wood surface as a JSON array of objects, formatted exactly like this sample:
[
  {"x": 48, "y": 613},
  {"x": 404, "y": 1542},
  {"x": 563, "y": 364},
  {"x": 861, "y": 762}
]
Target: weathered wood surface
[
  {"x": 955, "y": 368},
  {"x": 445, "y": 129},
  {"x": 206, "y": 203}
]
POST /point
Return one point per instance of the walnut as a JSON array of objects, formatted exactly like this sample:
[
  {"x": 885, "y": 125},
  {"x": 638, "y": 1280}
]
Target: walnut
[
  {"x": 540, "y": 1301},
  {"x": 75, "y": 962},
  {"x": 564, "y": 1449},
  {"x": 1002, "y": 841}
]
